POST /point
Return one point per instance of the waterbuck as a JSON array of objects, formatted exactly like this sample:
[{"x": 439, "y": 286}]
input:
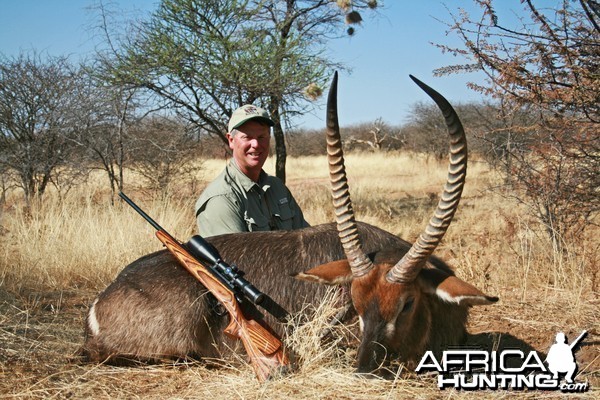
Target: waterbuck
[{"x": 408, "y": 301}]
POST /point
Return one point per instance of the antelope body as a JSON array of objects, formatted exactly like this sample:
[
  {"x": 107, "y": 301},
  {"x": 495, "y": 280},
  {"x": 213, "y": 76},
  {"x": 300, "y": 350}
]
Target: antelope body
[
  {"x": 408, "y": 301},
  {"x": 155, "y": 308}
]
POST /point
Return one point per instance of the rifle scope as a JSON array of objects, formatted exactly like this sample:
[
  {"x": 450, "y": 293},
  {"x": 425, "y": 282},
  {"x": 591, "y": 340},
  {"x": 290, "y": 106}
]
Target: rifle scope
[{"x": 206, "y": 252}]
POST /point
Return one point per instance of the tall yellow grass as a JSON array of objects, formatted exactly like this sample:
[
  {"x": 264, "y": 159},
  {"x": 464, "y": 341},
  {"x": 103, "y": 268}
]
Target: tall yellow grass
[{"x": 82, "y": 241}]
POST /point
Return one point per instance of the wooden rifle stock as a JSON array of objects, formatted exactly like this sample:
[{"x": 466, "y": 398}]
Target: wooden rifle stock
[{"x": 264, "y": 349}]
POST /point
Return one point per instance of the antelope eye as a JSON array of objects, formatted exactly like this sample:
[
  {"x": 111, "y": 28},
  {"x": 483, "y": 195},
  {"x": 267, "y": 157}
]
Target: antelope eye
[{"x": 408, "y": 305}]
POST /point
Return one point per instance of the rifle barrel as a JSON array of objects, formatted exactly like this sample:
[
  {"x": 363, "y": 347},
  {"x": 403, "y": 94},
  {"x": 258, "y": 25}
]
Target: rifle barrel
[
  {"x": 576, "y": 341},
  {"x": 141, "y": 212}
]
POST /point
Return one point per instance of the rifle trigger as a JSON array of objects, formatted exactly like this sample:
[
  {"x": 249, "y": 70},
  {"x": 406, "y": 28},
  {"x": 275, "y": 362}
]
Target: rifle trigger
[{"x": 216, "y": 305}]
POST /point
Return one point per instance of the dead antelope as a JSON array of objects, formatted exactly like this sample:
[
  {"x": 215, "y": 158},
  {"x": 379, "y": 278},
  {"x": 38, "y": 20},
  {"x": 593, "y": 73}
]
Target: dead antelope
[{"x": 408, "y": 301}]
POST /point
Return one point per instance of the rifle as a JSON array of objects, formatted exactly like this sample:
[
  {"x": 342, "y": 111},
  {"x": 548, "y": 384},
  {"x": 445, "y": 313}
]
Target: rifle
[
  {"x": 576, "y": 341},
  {"x": 226, "y": 283}
]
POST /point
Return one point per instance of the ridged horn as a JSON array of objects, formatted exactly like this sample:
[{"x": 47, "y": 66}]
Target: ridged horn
[
  {"x": 344, "y": 214},
  {"x": 407, "y": 269}
]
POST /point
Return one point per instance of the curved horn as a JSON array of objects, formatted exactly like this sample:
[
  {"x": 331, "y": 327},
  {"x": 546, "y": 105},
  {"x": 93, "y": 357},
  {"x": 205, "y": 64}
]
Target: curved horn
[
  {"x": 407, "y": 269},
  {"x": 344, "y": 214}
]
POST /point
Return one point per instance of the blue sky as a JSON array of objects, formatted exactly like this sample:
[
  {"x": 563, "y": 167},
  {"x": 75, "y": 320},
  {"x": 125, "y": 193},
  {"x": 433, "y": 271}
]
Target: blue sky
[{"x": 381, "y": 54}]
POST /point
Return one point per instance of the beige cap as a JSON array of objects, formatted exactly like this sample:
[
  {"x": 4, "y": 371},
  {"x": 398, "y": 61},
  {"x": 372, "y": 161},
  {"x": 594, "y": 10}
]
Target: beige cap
[{"x": 246, "y": 113}]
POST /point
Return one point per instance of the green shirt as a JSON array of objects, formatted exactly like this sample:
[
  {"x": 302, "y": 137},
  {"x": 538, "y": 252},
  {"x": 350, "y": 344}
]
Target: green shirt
[{"x": 234, "y": 203}]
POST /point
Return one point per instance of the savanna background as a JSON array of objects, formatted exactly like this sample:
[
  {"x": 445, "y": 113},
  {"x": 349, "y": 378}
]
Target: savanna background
[
  {"x": 58, "y": 256},
  {"x": 147, "y": 116}
]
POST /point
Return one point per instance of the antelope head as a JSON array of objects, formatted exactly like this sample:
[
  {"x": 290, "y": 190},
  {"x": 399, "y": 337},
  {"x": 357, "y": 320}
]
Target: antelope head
[{"x": 406, "y": 304}]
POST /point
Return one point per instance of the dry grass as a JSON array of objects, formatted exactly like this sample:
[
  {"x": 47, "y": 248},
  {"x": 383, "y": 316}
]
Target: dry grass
[{"x": 55, "y": 260}]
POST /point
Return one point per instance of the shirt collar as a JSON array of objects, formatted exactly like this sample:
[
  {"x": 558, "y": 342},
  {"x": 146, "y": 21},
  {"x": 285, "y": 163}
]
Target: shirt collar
[{"x": 246, "y": 183}]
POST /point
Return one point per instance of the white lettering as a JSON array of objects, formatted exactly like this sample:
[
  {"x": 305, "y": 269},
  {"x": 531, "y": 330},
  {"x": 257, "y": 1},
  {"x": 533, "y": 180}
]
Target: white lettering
[
  {"x": 453, "y": 357},
  {"x": 469, "y": 385},
  {"x": 545, "y": 382},
  {"x": 435, "y": 365},
  {"x": 471, "y": 360},
  {"x": 487, "y": 381},
  {"x": 517, "y": 371},
  {"x": 506, "y": 381},
  {"x": 574, "y": 387},
  {"x": 536, "y": 364},
  {"x": 493, "y": 362},
  {"x": 507, "y": 354},
  {"x": 524, "y": 381},
  {"x": 453, "y": 381}
]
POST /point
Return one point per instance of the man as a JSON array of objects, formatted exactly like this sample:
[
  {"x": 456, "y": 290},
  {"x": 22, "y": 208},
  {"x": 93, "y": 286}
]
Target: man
[
  {"x": 244, "y": 198},
  {"x": 560, "y": 358}
]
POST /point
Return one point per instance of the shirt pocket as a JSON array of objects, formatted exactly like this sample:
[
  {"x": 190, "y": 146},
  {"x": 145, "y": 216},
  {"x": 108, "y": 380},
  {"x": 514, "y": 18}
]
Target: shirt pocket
[
  {"x": 257, "y": 222},
  {"x": 284, "y": 215}
]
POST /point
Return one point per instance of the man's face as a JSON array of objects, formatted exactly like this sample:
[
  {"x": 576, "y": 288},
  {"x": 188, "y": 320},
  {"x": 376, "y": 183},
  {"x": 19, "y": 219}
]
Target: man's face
[{"x": 250, "y": 147}]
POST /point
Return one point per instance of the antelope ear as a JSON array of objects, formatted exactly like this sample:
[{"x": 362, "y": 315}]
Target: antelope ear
[
  {"x": 452, "y": 289},
  {"x": 332, "y": 273}
]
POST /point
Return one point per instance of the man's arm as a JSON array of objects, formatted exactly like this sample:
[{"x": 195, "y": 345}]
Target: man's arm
[{"x": 219, "y": 215}]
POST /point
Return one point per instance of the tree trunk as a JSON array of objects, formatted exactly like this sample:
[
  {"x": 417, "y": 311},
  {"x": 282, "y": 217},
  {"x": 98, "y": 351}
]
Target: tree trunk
[{"x": 280, "y": 150}]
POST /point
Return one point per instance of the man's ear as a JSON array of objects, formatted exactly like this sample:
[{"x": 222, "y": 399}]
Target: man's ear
[
  {"x": 332, "y": 273},
  {"x": 229, "y": 139},
  {"x": 451, "y": 289}
]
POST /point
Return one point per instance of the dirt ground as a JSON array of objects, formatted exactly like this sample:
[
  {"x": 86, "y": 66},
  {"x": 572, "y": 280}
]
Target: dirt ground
[{"x": 41, "y": 332}]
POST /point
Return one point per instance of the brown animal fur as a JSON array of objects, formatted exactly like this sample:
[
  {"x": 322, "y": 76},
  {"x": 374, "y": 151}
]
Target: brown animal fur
[{"x": 155, "y": 309}]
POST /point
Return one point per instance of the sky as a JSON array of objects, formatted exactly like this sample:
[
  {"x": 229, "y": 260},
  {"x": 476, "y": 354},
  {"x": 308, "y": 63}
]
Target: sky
[{"x": 381, "y": 55}]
